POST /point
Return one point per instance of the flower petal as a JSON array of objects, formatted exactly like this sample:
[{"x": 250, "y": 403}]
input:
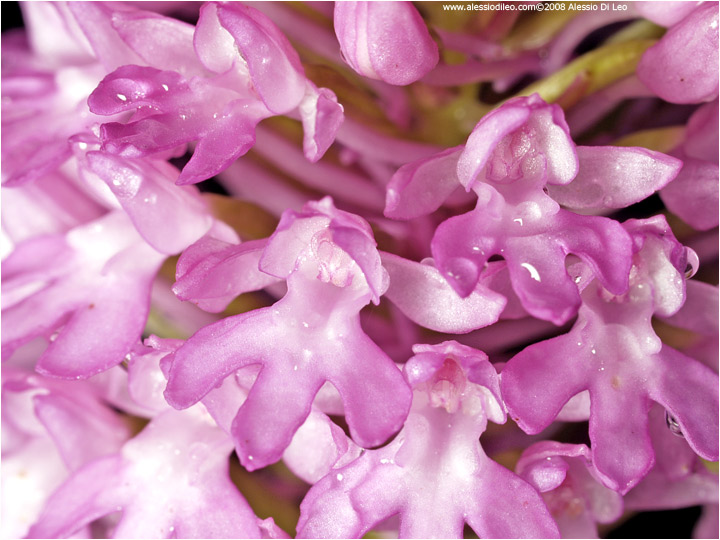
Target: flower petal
[
  {"x": 274, "y": 66},
  {"x": 551, "y": 372},
  {"x": 689, "y": 391},
  {"x": 420, "y": 291},
  {"x": 321, "y": 116},
  {"x": 693, "y": 195},
  {"x": 683, "y": 66},
  {"x": 420, "y": 187},
  {"x": 509, "y": 497},
  {"x": 614, "y": 177},
  {"x": 385, "y": 40}
]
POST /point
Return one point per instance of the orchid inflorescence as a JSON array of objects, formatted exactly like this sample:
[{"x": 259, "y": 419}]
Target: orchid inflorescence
[{"x": 430, "y": 271}]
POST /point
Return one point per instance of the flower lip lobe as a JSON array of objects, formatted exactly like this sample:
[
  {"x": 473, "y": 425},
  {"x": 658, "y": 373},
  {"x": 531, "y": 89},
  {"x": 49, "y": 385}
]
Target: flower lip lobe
[{"x": 329, "y": 260}]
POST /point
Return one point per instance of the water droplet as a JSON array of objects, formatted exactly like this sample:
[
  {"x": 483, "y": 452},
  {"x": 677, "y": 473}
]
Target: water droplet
[
  {"x": 339, "y": 477},
  {"x": 534, "y": 274},
  {"x": 165, "y": 87},
  {"x": 673, "y": 425},
  {"x": 82, "y": 145},
  {"x": 577, "y": 279},
  {"x": 463, "y": 274},
  {"x": 250, "y": 458},
  {"x": 122, "y": 97},
  {"x": 593, "y": 351},
  {"x": 693, "y": 262},
  {"x": 518, "y": 220}
]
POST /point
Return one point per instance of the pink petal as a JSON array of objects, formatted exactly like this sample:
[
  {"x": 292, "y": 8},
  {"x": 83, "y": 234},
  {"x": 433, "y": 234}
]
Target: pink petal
[
  {"x": 387, "y": 41},
  {"x": 318, "y": 446},
  {"x": 484, "y": 138},
  {"x": 321, "y": 116},
  {"x": 169, "y": 217},
  {"x": 95, "y": 20},
  {"x": 214, "y": 45},
  {"x": 537, "y": 270},
  {"x": 693, "y": 195},
  {"x": 683, "y": 66},
  {"x": 591, "y": 238},
  {"x": 227, "y": 345},
  {"x": 689, "y": 391},
  {"x": 211, "y": 273},
  {"x": 701, "y": 135},
  {"x": 374, "y": 393},
  {"x": 82, "y": 429},
  {"x": 700, "y": 311},
  {"x": 53, "y": 33},
  {"x": 274, "y": 66},
  {"x": 229, "y": 138},
  {"x": 83, "y": 349},
  {"x": 665, "y": 13},
  {"x": 510, "y": 497},
  {"x": 421, "y": 187},
  {"x": 163, "y": 42},
  {"x": 420, "y": 291},
  {"x": 552, "y": 372},
  {"x": 614, "y": 177},
  {"x": 622, "y": 450},
  {"x": 86, "y": 496},
  {"x": 363, "y": 252},
  {"x": 546, "y": 129},
  {"x": 273, "y": 412}
]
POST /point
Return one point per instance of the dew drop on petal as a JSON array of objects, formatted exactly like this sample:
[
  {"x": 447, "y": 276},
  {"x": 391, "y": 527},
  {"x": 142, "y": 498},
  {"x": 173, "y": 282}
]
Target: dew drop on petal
[
  {"x": 693, "y": 262},
  {"x": 534, "y": 274}
]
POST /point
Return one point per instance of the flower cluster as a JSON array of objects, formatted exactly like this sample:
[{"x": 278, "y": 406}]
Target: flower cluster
[{"x": 425, "y": 270}]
